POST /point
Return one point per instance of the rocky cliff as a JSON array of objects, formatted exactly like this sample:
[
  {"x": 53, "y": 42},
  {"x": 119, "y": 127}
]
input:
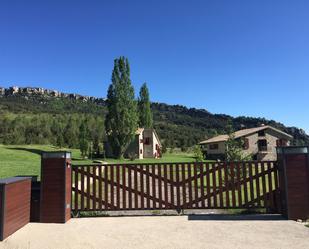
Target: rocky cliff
[{"x": 28, "y": 92}]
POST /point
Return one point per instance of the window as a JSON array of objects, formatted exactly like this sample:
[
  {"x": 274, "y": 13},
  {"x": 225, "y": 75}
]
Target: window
[
  {"x": 262, "y": 145},
  {"x": 246, "y": 144},
  {"x": 214, "y": 146},
  {"x": 141, "y": 151},
  {"x": 261, "y": 133},
  {"x": 282, "y": 142},
  {"x": 147, "y": 140}
]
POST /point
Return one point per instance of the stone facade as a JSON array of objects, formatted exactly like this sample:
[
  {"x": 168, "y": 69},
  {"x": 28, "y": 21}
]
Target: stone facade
[{"x": 261, "y": 146}]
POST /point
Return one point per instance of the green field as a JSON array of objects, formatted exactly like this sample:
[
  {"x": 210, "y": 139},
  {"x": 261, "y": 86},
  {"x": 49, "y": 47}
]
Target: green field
[{"x": 25, "y": 159}]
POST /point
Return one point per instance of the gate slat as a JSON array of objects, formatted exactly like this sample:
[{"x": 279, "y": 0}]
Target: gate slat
[
  {"x": 100, "y": 188},
  {"x": 177, "y": 186},
  {"x": 277, "y": 187},
  {"x": 257, "y": 182},
  {"x": 244, "y": 172},
  {"x": 94, "y": 189},
  {"x": 160, "y": 186},
  {"x": 88, "y": 188},
  {"x": 165, "y": 188},
  {"x": 76, "y": 188},
  {"x": 252, "y": 192},
  {"x": 130, "y": 186},
  {"x": 124, "y": 196},
  {"x": 220, "y": 185},
  {"x": 117, "y": 187},
  {"x": 82, "y": 189},
  {"x": 112, "y": 185},
  {"x": 214, "y": 184},
  {"x": 183, "y": 177},
  {"x": 135, "y": 187},
  {"x": 189, "y": 185},
  {"x": 227, "y": 186},
  {"x": 172, "y": 186},
  {"x": 238, "y": 185},
  {"x": 142, "y": 185},
  {"x": 264, "y": 184},
  {"x": 202, "y": 184},
  {"x": 106, "y": 187},
  {"x": 195, "y": 185},
  {"x": 232, "y": 166},
  {"x": 148, "y": 186},
  {"x": 209, "y": 204},
  {"x": 270, "y": 187},
  {"x": 153, "y": 171}
]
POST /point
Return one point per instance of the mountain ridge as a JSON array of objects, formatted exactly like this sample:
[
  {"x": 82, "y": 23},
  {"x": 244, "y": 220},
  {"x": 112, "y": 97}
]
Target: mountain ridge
[{"x": 178, "y": 125}]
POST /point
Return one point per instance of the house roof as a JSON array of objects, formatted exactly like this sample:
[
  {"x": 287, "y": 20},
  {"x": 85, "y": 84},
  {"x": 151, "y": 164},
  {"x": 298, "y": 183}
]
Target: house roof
[
  {"x": 245, "y": 132},
  {"x": 139, "y": 131}
]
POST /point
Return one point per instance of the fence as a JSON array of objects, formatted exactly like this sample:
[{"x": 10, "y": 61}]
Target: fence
[{"x": 175, "y": 186}]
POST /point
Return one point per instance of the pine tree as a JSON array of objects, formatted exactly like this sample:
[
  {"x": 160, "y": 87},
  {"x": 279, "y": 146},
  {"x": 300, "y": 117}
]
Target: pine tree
[
  {"x": 121, "y": 120},
  {"x": 144, "y": 110}
]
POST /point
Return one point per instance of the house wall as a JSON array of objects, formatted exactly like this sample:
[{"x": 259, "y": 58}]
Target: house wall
[
  {"x": 271, "y": 138},
  {"x": 155, "y": 142},
  {"x": 140, "y": 146},
  {"x": 148, "y": 149},
  {"x": 269, "y": 155},
  {"x": 220, "y": 150}
]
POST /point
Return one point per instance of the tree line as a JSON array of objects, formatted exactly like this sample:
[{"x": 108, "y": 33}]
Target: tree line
[{"x": 59, "y": 130}]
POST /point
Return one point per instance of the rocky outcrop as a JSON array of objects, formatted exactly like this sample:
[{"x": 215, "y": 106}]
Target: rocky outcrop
[{"x": 35, "y": 91}]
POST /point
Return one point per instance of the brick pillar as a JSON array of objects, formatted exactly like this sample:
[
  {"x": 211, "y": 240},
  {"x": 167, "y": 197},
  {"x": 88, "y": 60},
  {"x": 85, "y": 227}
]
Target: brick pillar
[
  {"x": 294, "y": 167},
  {"x": 55, "y": 187}
]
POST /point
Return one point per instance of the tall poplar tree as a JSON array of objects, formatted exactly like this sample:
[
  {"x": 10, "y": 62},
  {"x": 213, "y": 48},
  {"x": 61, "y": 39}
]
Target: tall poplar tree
[
  {"x": 121, "y": 120},
  {"x": 144, "y": 110}
]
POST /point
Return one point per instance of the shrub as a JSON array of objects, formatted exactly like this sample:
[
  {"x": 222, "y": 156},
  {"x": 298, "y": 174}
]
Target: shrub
[{"x": 198, "y": 154}]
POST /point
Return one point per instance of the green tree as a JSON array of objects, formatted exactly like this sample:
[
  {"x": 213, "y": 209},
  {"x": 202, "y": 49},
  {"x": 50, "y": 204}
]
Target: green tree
[
  {"x": 71, "y": 133},
  {"x": 121, "y": 119},
  {"x": 144, "y": 110},
  {"x": 198, "y": 154},
  {"x": 234, "y": 148},
  {"x": 83, "y": 143}
]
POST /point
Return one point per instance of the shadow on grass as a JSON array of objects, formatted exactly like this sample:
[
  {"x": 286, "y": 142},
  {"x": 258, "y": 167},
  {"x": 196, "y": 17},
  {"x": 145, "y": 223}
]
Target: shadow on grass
[
  {"x": 35, "y": 151},
  {"x": 235, "y": 217}
]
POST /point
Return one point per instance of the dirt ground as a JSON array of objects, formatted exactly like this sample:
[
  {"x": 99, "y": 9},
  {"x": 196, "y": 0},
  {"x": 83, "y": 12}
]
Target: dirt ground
[{"x": 188, "y": 231}]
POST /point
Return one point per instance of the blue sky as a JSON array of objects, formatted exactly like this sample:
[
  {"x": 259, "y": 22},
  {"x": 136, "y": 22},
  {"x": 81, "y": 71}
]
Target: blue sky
[{"x": 235, "y": 57}]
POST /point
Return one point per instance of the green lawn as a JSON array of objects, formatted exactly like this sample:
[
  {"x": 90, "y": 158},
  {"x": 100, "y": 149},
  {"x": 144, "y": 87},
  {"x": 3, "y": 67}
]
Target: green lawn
[{"x": 25, "y": 159}]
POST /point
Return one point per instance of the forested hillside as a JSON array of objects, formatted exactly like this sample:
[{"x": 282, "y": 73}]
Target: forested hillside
[{"x": 36, "y": 119}]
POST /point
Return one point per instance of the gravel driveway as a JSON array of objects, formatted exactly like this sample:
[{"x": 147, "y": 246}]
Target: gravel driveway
[{"x": 198, "y": 231}]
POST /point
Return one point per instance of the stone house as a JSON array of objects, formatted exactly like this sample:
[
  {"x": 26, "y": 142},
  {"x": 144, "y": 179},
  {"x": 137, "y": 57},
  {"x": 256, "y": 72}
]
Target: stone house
[
  {"x": 2, "y": 91},
  {"x": 260, "y": 142},
  {"x": 145, "y": 145}
]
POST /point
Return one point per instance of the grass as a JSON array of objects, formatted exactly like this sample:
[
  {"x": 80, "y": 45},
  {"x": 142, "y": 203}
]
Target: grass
[{"x": 26, "y": 160}]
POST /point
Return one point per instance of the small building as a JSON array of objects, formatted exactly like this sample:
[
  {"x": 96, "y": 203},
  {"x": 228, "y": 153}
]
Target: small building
[
  {"x": 145, "y": 145},
  {"x": 260, "y": 142}
]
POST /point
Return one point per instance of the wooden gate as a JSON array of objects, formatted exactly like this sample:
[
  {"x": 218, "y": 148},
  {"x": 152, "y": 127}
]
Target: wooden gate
[{"x": 175, "y": 186}]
